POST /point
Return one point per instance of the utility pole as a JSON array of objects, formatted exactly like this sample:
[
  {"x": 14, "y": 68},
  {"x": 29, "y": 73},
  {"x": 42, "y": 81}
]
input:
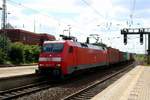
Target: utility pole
[
  {"x": 145, "y": 43},
  {"x": 3, "y": 26},
  {"x": 141, "y": 32},
  {"x": 34, "y": 26},
  {"x": 4, "y": 15},
  {"x": 148, "y": 51}
]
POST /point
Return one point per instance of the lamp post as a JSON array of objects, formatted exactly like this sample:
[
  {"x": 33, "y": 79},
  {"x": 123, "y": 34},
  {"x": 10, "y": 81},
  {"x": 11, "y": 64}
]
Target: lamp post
[
  {"x": 1, "y": 9},
  {"x": 4, "y": 14},
  {"x": 8, "y": 23}
]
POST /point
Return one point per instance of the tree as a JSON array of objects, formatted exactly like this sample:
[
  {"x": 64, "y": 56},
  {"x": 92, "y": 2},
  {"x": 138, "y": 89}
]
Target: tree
[
  {"x": 4, "y": 48},
  {"x": 2, "y": 57},
  {"x": 5, "y": 43}
]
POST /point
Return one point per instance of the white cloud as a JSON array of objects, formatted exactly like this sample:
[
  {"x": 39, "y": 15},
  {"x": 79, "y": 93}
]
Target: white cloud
[{"x": 109, "y": 16}]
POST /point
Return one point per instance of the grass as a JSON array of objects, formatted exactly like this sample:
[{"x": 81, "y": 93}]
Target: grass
[{"x": 142, "y": 59}]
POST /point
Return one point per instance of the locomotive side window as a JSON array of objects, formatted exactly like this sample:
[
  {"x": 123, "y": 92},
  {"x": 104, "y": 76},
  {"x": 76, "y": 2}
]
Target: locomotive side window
[
  {"x": 53, "y": 47},
  {"x": 70, "y": 49}
]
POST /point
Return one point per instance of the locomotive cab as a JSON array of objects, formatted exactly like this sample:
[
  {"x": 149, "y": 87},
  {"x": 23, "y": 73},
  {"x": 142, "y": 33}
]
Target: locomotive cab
[
  {"x": 53, "y": 60},
  {"x": 50, "y": 59}
]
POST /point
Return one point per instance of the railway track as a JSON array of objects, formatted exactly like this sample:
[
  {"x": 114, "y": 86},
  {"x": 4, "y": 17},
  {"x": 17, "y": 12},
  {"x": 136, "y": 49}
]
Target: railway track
[
  {"x": 85, "y": 93},
  {"x": 95, "y": 88},
  {"x": 24, "y": 90}
]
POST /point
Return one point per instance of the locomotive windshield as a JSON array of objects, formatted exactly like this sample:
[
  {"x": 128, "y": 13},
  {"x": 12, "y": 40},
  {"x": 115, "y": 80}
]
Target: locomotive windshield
[{"x": 53, "y": 47}]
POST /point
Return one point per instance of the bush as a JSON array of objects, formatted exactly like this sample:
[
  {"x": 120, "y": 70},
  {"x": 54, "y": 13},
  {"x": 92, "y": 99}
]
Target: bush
[
  {"x": 27, "y": 53},
  {"x": 31, "y": 53},
  {"x": 16, "y": 53},
  {"x": 35, "y": 52},
  {"x": 2, "y": 57},
  {"x": 21, "y": 53}
]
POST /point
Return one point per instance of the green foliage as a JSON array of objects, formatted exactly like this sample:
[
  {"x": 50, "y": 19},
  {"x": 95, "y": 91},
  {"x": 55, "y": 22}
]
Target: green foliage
[
  {"x": 4, "y": 49},
  {"x": 21, "y": 53},
  {"x": 27, "y": 53},
  {"x": 4, "y": 43},
  {"x": 16, "y": 53},
  {"x": 2, "y": 57},
  {"x": 31, "y": 53},
  {"x": 141, "y": 58},
  {"x": 36, "y": 51}
]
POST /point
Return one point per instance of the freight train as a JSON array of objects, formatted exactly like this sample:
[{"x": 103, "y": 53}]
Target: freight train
[{"x": 61, "y": 58}]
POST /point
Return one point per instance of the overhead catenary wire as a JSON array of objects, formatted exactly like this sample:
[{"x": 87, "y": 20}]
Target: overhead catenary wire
[
  {"x": 133, "y": 4},
  {"x": 31, "y": 9},
  {"x": 21, "y": 5},
  {"x": 133, "y": 7},
  {"x": 95, "y": 10},
  {"x": 108, "y": 24},
  {"x": 37, "y": 11},
  {"x": 44, "y": 14}
]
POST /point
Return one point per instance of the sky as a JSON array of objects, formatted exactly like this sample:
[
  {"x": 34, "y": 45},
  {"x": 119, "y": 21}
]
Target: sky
[{"x": 84, "y": 17}]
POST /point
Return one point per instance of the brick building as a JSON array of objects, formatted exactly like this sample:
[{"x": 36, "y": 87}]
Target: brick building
[{"x": 26, "y": 37}]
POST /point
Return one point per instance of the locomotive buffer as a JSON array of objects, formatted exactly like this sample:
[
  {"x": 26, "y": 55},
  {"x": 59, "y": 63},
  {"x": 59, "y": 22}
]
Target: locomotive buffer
[{"x": 138, "y": 31}]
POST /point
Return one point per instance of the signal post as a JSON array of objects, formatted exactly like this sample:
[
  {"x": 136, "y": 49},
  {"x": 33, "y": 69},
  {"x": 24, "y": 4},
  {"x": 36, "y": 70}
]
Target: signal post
[{"x": 138, "y": 31}]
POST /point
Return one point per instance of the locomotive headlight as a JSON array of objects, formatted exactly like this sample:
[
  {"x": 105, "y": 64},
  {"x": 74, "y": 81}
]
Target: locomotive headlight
[
  {"x": 41, "y": 64},
  {"x": 58, "y": 59},
  {"x": 58, "y": 65}
]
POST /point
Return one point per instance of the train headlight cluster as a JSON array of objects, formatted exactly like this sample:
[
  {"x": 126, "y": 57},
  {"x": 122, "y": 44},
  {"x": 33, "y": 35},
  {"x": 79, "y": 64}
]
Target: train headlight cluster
[
  {"x": 57, "y": 59},
  {"x": 58, "y": 65},
  {"x": 41, "y": 64}
]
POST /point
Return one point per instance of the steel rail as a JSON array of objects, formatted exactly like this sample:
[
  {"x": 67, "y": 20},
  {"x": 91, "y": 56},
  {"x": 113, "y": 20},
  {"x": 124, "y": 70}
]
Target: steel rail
[
  {"x": 92, "y": 90},
  {"x": 24, "y": 90}
]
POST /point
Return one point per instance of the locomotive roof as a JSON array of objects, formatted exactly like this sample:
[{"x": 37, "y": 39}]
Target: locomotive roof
[
  {"x": 55, "y": 41},
  {"x": 78, "y": 44}
]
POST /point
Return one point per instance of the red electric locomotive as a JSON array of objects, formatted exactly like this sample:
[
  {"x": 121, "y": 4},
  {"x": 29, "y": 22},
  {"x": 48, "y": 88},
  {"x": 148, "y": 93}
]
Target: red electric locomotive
[{"x": 65, "y": 57}]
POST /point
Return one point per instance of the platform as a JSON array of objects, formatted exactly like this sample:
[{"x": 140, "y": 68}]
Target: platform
[
  {"x": 135, "y": 85},
  {"x": 17, "y": 71}
]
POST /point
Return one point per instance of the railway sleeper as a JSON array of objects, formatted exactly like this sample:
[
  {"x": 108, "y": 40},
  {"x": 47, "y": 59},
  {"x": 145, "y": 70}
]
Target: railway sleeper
[
  {"x": 9, "y": 95},
  {"x": 2, "y": 97},
  {"x": 81, "y": 98},
  {"x": 88, "y": 94},
  {"x": 16, "y": 92}
]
